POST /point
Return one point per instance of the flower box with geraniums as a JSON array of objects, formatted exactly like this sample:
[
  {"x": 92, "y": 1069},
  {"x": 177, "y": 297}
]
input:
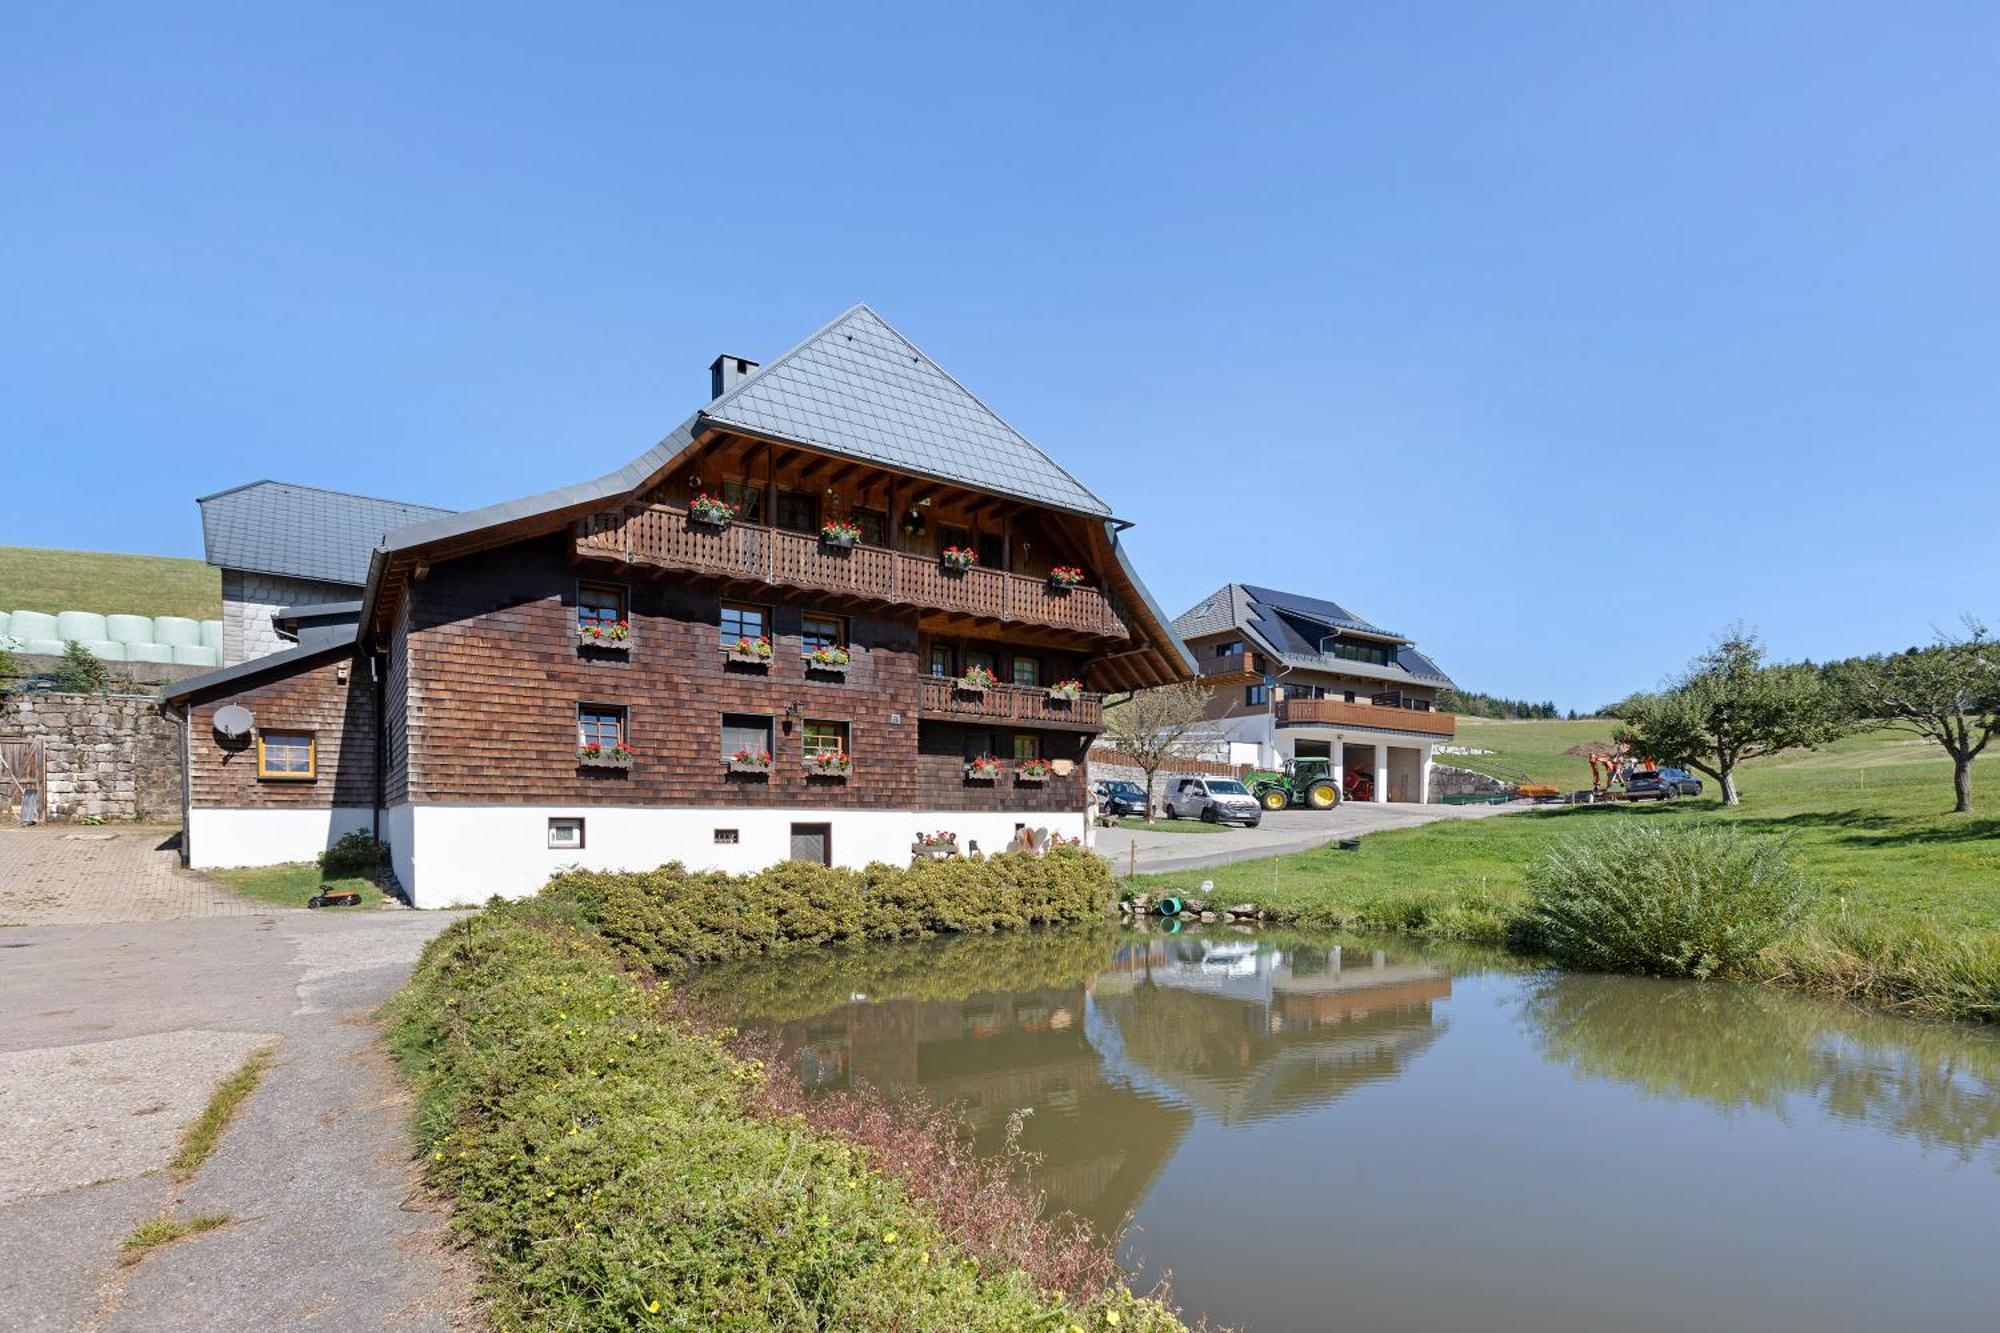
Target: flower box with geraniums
[
  {"x": 1034, "y": 770},
  {"x": 615, "y": 636},
  {"x": 705, "y": 511},
  {"x": 753, "y": 652},
  {"x": 828, "y": 660},
  {"x": 958, "y": 559},
  {"x": 1064, "y": 577},
  {"x": 1066, "y": 691},
  {"x": 603, "y": 756},
  {"x": 750, "y": 761},
  {"x": 828, "y": 764},
  {"x": 839, "y": 533},
  {"x": 983, "y": 769},
  {"x": 937, "y": 846},
  {"x": 976, "y": 680}
]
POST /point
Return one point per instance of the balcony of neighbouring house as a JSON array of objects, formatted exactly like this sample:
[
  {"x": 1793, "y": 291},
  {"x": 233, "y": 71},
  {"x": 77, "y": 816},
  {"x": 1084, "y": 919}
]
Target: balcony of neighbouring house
[
  {"x": 664, "y": 537},
  {"x": 946, "y": 699},
  {"x": 1408, "y": 716},
  {"x": 1240, "y": 667}
]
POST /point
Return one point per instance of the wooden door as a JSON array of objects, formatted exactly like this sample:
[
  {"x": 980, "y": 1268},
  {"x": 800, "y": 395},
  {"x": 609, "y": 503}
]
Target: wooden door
[{"x": 813, "y": 842}]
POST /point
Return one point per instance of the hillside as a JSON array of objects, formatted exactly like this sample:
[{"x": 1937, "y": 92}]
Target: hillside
[{"x": 34, "y": 578}]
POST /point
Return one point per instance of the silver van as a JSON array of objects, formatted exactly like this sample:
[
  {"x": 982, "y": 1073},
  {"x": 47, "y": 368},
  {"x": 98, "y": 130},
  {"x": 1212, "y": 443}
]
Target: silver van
[{"x": 1212, "y": 800}]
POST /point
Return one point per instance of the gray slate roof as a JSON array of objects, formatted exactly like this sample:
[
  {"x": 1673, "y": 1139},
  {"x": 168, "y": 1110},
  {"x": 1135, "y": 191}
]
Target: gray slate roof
[
  {"x": 301, "y": 532},
  {"x": 1287, "y": 625},
  {"x": 861, "y": 389}
]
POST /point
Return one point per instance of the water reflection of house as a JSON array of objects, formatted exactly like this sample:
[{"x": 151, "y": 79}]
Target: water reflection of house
[{"x": 1244, "y": 1031}]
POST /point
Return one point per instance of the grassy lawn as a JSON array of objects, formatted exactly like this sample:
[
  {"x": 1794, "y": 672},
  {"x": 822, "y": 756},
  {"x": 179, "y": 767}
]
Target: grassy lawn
[
  {"x": 1170, "y": 825},
  {"x": 1529, "y": 751},
  {"x": 33, "y": 578},
  {"x": 1870, "y": 814},
  {"x": 290, "y": 885}
]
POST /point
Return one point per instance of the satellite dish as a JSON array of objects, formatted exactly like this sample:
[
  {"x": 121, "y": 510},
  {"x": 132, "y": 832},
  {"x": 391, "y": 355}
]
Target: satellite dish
[{"x": 233, "y": 721}]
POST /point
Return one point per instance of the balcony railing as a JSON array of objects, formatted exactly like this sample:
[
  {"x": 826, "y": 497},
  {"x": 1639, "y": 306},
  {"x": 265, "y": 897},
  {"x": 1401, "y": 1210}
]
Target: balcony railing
[
  {"x": 662, "y": 535},
  {"x": 1027, "y": 705},
  {"x": 1230, "y": 668},
  {"x": 1380, "y": 717}
]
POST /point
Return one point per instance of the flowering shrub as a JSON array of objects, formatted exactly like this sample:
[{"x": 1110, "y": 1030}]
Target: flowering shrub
[
  {"x": 828, "y": 761},
  {"x": 711, "y": 510},
  {"x": 827, "y": 656},
  {"x": 1067, "y": 576},
  {"x": 746, "y": 646},
  {"x": 984, "y": 767},
  {"x": 1035, "y": 770},
  {"x": 751, "y": 759},
  {"x": 976, "y": 678},
  {"x": 840, "y": 532},
  {"x": 597, "y": 753},
  {"x": 942, "y": 838},
  {"x": 616, "y": 632},
  {"x": 1066, "y": 690},
  {"x": 959, "y": 557}
]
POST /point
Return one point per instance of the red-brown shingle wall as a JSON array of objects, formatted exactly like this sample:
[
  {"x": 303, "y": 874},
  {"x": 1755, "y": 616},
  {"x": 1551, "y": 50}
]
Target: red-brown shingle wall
[
  {"x": 341, "y": 716},
  {"x": 941, "y": 782}
]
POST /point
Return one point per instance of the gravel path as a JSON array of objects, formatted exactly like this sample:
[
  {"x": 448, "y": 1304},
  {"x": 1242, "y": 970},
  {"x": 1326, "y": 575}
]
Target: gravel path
[{"x": 1281, "y": 831}]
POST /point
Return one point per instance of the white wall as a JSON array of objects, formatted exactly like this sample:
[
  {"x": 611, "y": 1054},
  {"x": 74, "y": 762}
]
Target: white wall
[
  {"x": 219, "y": 838},
  {"x": 464, "y": 854},
  {"x": 398, "y": 823}
]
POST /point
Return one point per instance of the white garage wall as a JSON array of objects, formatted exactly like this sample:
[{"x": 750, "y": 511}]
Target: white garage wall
[{"x": 220, "y": 838}]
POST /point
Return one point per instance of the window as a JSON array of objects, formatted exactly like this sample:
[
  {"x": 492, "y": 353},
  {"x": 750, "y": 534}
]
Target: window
[
  {"x": 745, "y": 731},
  {"x": 1254, "y": 695},
  {"x": 951, "y": 536},
  {"x": 1303, "y": 692},
  {"x": 992, "y": 550},
  {"x": 798, "y": 512},
  {"x": 748, "y": 499},
  {"x": 974, "y": 658},
  {"x": 286, "y": 754},
  {"x": 1027, "y": 671},
  {"x": 874, "y": 525},
  {"x": 1350, "y": 651},
  {"x": 600, "y": 724},
  {"x": 940, "y": 659},
  {"x": 825, "y": 738},
  {"x": 744, "y": 622},
  {"x": 1027, "y": 747},
  {"x": 979, "y": 744},
  {"x": 1230, "y": 648},
  {"x": 566, "y": 834},
  {"x": 727, "y": 837},
  {"x": 822, "y": 632},
  {"x": 599, "y": 604},
  {"x": 1347, "y": 697}
]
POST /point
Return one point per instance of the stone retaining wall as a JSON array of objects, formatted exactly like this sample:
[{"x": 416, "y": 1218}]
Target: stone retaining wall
[
  {"x": 1449, "y": 781},
  {"x": 112, "y": 756}
]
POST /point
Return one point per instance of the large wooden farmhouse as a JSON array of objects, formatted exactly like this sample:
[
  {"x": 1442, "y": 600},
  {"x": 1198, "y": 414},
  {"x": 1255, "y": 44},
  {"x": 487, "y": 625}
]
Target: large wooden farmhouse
[{"x": 841, "y": 605}]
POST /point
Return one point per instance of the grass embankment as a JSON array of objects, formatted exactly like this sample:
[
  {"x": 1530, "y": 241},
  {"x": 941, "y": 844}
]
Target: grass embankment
[
  {"x": 1908, "y": 905},
  {"x": 618, "y": 1166},
  {"x": 34, "y": 578},
  {"x": 292, "y": 884}
]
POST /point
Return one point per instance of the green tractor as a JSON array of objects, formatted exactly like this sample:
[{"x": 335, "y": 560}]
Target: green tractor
[{"x": 1307, "y": 782}]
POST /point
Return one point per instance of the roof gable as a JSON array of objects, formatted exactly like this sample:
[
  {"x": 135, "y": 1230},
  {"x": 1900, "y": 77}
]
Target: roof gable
[
  {"x": 1291, "y": 626},
  {"x": 302, "y": 532},
  {"x": 859, "y": 388}
]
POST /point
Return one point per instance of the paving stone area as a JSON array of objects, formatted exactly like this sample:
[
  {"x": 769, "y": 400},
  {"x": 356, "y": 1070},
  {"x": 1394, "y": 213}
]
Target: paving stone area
[
  {"x": 1280, "y": 831},
  {"x": 69, "y": 875}
]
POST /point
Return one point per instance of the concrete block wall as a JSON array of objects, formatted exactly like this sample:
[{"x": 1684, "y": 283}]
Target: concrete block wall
[{"x": 250, "y": 600}]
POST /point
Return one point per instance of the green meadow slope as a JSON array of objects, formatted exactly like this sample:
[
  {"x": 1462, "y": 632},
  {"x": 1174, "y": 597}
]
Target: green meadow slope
[{"x": 34, "y": 578}]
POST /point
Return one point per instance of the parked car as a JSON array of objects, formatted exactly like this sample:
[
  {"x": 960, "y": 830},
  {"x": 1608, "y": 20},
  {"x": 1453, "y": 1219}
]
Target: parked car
[
  {"x": 1121, "y": 799},
  {"x": 1212, "y": 800},
  {"x": 1683, "y": 782},
  {"x": 1644, "y": 786}
]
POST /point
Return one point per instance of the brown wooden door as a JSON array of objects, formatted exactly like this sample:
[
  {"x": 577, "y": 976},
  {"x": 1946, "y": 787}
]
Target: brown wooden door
[
  {"x": 813, "y": 842},
  {"x": 22, "y": 770}
]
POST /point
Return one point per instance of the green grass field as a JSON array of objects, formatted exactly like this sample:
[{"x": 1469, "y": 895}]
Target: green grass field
[
  {"x": 290, "y": 885},
  {"x": 1870, "y": 815},
  {"x": 33, "y": 578}
]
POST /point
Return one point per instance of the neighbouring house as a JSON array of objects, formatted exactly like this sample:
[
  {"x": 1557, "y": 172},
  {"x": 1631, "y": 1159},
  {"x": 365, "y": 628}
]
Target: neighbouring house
[
  {"x": 1300, "y": 678},
  {"x": 291, "y": 554},
  {"x": 841, "y": 605}
]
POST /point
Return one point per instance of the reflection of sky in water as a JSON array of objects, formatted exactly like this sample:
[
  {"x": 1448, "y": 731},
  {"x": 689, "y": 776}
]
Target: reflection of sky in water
[{"x": 1307, "y": 1142}]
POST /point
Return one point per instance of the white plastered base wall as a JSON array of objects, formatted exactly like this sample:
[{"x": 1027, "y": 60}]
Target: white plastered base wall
[
  {"x": 451, "y": 855},
  {"x": 219, "y": 838}
]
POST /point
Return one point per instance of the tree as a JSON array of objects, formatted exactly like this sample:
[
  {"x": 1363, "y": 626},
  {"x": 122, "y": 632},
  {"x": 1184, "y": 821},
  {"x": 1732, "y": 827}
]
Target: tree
[
  {"x": 1729, "y": 706},
  {"x": 80, "y": 671},
  {"x": 1948, "y": 692},
  {"x": 1152, "y": 727}
]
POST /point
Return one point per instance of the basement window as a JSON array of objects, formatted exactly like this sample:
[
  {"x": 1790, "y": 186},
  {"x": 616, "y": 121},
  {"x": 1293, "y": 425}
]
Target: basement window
[
  {"x": 726, "y": 837},
  {"x": 566, "y": 834},
  {"x": 288, "y": 756}
]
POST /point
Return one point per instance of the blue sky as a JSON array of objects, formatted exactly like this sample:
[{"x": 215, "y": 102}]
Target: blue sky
[{"x": 1556, "y": 336}]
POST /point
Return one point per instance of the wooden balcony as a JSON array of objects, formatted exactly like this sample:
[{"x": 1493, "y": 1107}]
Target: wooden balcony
[
  {"x": 662, "y": 536},
  {"x": 1377, "y": 717},
  {"x": 1020, "y": 705},
  {"x": 1242, "y": 667}
]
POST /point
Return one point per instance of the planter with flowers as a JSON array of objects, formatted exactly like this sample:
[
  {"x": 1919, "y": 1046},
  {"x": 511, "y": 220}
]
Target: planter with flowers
[
  {"x": 705, "y": 511},
  {"x": 976, "y": 680},
  {"x": 749, "y": 651},
  {"x": 750, "y": 761},
  {"x": 983, "y": 769},
  {"x": 1033, "y": 770},
  {"x": 595, "y": 755},
  {"x": 828, "y": 659},
  {"x": 1066, "y": 691},
  {"x": 828, "y": 764},
  {"x": 1064, "y": 577},
  {"x": 615, "y": 636},
  {"x": 839, "y": 533},
  {"x": 958, "y": 559},
  {"x": 938, "y": 846}
]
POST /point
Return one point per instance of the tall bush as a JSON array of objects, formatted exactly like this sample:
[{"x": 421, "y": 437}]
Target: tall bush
[{"x": 1695, "y": 900}]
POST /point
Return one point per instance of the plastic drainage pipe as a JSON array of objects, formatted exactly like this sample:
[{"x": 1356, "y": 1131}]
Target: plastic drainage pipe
[{"x": 1168, "y": 906}]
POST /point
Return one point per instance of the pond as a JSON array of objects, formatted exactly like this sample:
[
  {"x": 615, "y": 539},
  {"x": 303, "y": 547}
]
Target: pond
[{"x": 1332, "y": 1133}]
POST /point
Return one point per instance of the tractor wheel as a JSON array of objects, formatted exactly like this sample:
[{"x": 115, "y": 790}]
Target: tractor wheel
[
  {"x": 1321, "y": 794},
  {"x": 1273, "y": 798}
]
